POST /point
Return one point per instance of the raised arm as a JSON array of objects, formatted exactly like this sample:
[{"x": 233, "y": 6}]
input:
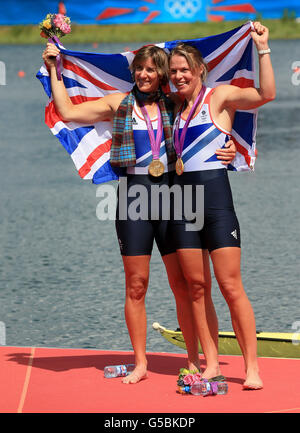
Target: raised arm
[
  {"x": 245, "y": 99},
  {"x": 86, "y": 112}
]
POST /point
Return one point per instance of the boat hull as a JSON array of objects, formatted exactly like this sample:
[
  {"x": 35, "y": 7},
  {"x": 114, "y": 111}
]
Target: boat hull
[{"x": 269, "y": 344}]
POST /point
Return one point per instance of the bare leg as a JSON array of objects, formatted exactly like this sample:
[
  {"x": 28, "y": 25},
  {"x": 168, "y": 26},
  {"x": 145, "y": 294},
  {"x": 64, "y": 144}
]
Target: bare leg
[
  {"x": 195, "y": 265},
  {"x": 184, "y": 309},
  {"x": 137, "y": 277},
  {"x": 226, "y": 263}
]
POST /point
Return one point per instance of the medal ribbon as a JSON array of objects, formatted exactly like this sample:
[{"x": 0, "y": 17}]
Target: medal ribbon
[
  {"x": 178, "y": 143},
  {"x": 154, "y": 141}
]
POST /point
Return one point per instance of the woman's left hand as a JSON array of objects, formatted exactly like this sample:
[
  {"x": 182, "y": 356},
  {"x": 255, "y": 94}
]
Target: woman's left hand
[
  {"x": 260, "y": 35},
  {"x": 227, "y": 153}
]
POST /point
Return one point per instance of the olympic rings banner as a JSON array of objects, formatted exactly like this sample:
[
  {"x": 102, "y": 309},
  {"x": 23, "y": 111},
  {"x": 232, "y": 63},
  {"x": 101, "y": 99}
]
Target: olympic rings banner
[{"x": 145, "y": 11}]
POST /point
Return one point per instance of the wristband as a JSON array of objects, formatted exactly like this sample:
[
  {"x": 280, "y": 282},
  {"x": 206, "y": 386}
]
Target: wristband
[{"x": 267, "y": 51}]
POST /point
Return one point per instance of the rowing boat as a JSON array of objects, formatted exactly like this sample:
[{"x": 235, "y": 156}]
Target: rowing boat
[{"x": 269, "y": 344}]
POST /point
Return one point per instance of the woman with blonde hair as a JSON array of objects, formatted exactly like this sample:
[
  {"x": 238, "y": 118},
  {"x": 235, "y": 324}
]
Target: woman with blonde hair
[{"x": 203, "y": 123}]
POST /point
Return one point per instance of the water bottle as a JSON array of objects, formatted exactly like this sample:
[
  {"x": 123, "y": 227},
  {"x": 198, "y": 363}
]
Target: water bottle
[
  {"x": 209, "y": 388},
  {"x": 184, "y": 389},
  {"x": 118, "y": 370}
]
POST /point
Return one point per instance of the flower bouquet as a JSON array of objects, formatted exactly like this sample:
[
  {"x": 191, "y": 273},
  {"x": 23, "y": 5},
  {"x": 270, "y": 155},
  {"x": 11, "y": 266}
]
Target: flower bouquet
[
  {"x": 186, "y": 379},
  {"x": 191, "y": 382},
  {"x": 53, "y": 27}
]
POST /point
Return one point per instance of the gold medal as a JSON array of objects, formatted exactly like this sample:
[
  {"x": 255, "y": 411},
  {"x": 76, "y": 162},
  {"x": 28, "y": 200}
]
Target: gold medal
[
  {"x": 179, "y": 166},
  {"x": 156, "y": 168}
]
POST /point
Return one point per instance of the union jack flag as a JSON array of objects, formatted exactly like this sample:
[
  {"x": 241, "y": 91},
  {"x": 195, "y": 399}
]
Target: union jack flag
[{"x": 90, "y": 76}]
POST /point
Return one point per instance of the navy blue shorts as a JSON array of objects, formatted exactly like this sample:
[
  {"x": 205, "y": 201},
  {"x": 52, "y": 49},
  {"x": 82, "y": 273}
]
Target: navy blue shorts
[
  {"x": 220, "y": 225},
  {"x": 136, "y": 236}
]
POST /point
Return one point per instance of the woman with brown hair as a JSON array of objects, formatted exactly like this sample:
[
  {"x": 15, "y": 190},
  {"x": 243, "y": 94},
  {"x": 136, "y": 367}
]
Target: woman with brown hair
[{"x": 142, "y": 146}]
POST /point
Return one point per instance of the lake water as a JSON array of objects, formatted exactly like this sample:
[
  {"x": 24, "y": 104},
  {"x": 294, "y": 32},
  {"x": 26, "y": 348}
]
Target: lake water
[{"x": 61, "y": 274}]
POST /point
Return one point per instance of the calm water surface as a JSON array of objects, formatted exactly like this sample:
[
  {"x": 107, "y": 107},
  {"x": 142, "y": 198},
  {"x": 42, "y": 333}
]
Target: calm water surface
[{"x": 61, "y": 274}]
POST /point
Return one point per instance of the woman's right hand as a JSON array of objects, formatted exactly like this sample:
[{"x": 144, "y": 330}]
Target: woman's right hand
[{"x": 49, "y": 54}]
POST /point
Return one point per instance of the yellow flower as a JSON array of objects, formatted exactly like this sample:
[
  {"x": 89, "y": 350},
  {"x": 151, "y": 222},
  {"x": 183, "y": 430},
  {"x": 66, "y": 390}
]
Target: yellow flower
[{"x": 47, "y": 24}]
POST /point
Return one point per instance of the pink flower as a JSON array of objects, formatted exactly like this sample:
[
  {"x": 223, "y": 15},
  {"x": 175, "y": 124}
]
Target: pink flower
[
  {"x": 65, "y": 28},
  {"x": 197, "y": 378},
  {"x": 59, "y": 20},
  {"x": 188, "y": 379},
  {"x": 191, "y": 379}
]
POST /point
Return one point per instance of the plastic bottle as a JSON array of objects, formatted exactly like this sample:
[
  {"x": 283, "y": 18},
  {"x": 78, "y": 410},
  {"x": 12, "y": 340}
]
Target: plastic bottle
[
  {"x": 209, "y": 388},
  {"x": 185, "y": 389},
  {"x": 118, "y": 370}
]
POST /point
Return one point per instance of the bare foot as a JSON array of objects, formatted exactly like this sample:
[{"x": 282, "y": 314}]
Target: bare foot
[
  {"x": 211, "y": 372},
  {"x": 138, "y": 374},
  {"x": 253, "y": 381},
  {"x": 194, "y": 366}
]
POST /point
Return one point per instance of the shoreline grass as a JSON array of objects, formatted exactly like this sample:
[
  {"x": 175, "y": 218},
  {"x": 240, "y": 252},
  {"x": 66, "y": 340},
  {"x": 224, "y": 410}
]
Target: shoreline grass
[{"x": 284, "y": 28}]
